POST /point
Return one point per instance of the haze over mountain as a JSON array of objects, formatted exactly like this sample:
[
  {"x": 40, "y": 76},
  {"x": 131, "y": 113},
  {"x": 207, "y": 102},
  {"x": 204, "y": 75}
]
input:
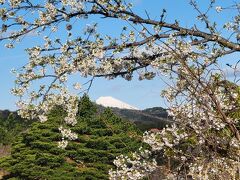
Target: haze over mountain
[{"x": 108, "y": 101}]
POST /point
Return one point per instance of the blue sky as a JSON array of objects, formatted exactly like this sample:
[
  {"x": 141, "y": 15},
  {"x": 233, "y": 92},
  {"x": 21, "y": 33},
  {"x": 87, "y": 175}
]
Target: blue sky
[{"x": 141, "y": 94}]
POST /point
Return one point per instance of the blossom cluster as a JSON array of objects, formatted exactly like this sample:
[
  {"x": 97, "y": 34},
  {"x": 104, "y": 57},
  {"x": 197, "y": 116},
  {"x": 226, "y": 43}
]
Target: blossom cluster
[
  {"x": 217, "y": 168},
  {"x": 133, "y": 167},
  {"x": 67, "y": 134},
  {"x": 167, "y": 137}
]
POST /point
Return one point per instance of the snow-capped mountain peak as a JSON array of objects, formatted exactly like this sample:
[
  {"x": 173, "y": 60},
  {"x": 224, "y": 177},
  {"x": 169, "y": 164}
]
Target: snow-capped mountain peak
[{"x": 109, "y": 101}]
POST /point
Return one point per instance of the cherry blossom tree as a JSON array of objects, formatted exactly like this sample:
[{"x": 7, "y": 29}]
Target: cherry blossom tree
[{"x": 204, "y": 141}]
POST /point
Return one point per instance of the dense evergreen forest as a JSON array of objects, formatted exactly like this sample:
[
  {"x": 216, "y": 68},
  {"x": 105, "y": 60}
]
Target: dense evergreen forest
[
  {"x": 10, "y": 126},
  {"x": 34, "y": 153}
]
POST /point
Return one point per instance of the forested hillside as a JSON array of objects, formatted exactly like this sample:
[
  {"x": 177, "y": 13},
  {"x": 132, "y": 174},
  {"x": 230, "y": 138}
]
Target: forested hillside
[
  {"x": 156, "y": 117},
  {"x": 10, "y": 126},
  {"x": 101, "y": 137}
]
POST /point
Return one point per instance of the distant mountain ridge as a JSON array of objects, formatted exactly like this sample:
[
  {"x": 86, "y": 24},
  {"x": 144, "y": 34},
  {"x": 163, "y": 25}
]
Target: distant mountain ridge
[
  {"x": 4, "y": 113},
  {"x": 157, "y": 111},
  {"x": 156, "y": 117}
]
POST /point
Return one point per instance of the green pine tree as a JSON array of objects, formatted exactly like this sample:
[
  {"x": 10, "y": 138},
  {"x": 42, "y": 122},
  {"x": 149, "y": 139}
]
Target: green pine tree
[{"x": 86, "y": 107}]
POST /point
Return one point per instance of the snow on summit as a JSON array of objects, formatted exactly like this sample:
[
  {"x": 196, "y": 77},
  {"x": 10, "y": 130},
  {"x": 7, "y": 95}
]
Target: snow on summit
[{"x": 109, "y": 101}]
